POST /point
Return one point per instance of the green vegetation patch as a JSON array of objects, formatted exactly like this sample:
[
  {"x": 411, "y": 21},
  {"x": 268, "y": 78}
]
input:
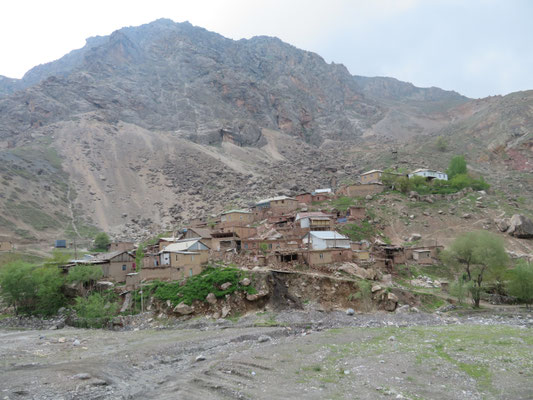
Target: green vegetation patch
[
  {"x": 199, "y": 286},
  {"x": 359, "y": 230}
]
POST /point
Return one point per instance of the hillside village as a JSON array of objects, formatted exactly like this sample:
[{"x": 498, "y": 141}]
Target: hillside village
[{"x": 319, "y": 231}]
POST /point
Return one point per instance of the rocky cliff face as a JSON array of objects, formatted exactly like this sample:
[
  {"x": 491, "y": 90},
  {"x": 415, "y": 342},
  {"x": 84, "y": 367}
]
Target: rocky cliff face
[{"x": 139, "y": 130}]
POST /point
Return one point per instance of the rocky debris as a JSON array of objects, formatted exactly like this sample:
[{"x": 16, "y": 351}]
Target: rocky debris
[
  {"x": 350, "y": 311},
  {"x": 391, "y": 302},
  {"x": 502, "y": 224},
  {"x": 415, "y": 237},
  {"x": 376, "y": 288},
  {"x": 264, "y": 338},
  {"x": 200, "y": 358},
  {"x": 256, "y": 296},
  {"x": 183, "y": 309},
  {"x": 425, "y": 281},
  {"x": 521, "y": 227},
  {"x": 225, "y": 311},
  {"x": 466, "y": 216},
  {"x": 225, "y": 286},
  {"x": 245, "y": 282}
]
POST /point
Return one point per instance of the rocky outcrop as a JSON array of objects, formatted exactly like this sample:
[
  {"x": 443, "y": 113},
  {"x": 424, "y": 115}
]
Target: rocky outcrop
[{"x": 520, "y": 227}]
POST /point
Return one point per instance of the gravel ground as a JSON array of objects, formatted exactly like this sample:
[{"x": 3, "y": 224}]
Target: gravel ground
[{"x": 286, "y": 355}]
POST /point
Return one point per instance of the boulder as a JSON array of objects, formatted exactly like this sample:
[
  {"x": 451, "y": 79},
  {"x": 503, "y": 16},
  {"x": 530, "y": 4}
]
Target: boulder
[
  {"x": 183, "y": 309},
  {"x": 376, "y": 288},
  {"x": 256, "y": 296},
  {"x": 225, "y": 286},
  {"x": 502, "y": 224},
  {"x": 245, "y": 282},
  {"x": 520, "y": 227},
  {"x": 350, "y": 311},
  {"x": 225, "y": 311},
  {"x": 414, "y": 237},
  {"x": 211, "y": 298},
  {"x": 391, "y": 302}
]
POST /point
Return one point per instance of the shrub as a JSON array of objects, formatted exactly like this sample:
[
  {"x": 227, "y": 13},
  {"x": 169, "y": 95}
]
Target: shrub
[
  {"x": 359, "y": 231},
  {"x": 96, "y": 310},
  {"x": 521, "y": 283},
  {"x": 101, "y": 242},
  {"x": 199, "y": 286}
]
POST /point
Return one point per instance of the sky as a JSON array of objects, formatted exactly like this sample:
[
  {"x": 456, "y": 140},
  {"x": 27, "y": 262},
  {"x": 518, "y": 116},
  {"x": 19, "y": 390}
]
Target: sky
[{"x": 475, "y": 47}]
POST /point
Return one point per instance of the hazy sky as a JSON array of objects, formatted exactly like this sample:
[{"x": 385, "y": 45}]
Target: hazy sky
[{"x": 476, "y": 47}]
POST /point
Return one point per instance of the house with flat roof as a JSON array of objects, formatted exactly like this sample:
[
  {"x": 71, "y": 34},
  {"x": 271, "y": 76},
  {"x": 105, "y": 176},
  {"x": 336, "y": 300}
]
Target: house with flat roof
[{"x": 319, "y": 240}]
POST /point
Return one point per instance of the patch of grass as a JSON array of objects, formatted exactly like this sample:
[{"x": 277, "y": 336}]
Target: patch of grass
[{"x": 359, "y": 231}]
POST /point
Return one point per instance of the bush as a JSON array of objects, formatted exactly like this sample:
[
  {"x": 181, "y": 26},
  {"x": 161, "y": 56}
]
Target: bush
[
  {"x": 96, "y": 310},
  {"x": 199, "y": 286},
  {"x": 84, "y": 274},
  {"x": 521, "y": 283},
  {"x": 101, "y": 242},
  {"x": 32, "y": 290}
]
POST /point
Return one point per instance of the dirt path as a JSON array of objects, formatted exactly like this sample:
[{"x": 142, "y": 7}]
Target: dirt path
[{"x": 71, "y": 211}]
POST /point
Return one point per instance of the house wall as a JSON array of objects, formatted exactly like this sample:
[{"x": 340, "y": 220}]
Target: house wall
[
  {"x": 121, "y": 246},
  {"x": 236, "y": 218},
  {"x": 363, "y": 190},
  {"x": 318, "y": 257},
  {"x": 371, "y": 178},
  {"x": 320, "y": 244},
  {"x": 132, "y": 280},
  {"x": 356, "y": 213},
  {"x": 115, "y": 270},
  {"x": 6, "y": 246},
  {"x": 304, "y": 198},
  {"x": 319, "y": 197},
  {"x": 151, "y": 260},
  {"x": 186, "y": 260},
  {"x": 363, "y": 255},
  {"x": 283, "y": 206}
]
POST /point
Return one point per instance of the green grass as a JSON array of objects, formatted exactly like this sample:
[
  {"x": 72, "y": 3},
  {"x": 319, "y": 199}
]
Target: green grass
[{"x": 8, "y": 257}]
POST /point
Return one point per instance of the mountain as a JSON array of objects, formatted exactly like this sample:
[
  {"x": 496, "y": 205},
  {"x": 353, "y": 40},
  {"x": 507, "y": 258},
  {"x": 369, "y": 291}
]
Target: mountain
[{"x": 139, "y": 130}]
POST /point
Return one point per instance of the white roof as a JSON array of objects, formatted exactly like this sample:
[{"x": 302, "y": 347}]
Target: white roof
[
  {"x": 180, "y": 245},
  {"x": 274, "y": 199},
  {"x": 328, "y": 235},
  {"x": 236, "y": 211},
  {"x": 371, "y": 171},
  {"x": 169, "y": 239},
  {"x": 427, "y": 170},
  {"x": 328, "y": 190}
]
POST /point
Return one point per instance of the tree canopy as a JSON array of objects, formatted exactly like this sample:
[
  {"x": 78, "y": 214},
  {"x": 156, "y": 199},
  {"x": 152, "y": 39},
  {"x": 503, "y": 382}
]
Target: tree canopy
[
  {"x": 521, "y": 283},
  {"x": 478, "y": 254},
  {"x": 101, "y": 242},
  {"x": 457, "y": 166}
]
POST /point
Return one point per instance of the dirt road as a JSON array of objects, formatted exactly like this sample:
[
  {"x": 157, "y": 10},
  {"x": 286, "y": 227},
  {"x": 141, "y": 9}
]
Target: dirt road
[{"x": 289, "y": 355}]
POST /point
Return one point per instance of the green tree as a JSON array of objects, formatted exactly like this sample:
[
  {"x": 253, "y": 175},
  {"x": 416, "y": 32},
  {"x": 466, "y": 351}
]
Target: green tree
[
  {"x": 32, "y": 290},
  {"x": 58, "y": 258},
  {"x": 404, "y": 184},
  {"x": 101, "y": 242},
  {"x": 441, "y": 144},
  {"x": 521, "y": 283},
  {"x": 478, "y": 254},
  {"x": 96, "y": 310},
  {"x": 457, "y": 166}
]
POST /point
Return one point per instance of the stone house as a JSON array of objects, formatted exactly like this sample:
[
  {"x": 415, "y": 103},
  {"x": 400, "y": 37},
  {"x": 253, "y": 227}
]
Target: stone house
[
  {"x": 360, "y": 190},
  {"x": 182, "y": 263},
  {"x": 356, "y": 213},
  {"x": 314, "y": 221},
  {"x": 423, "y": 256},
  {"x": 306, "y": 198},
  {"x": 327, "y": 256}
]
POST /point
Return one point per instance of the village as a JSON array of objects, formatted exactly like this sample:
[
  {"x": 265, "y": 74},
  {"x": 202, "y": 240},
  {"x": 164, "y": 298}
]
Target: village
[{"x": 279, "y": 233}]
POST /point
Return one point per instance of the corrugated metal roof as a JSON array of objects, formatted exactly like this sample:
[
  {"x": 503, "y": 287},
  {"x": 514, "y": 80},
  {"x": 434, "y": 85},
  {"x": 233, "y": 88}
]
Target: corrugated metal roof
[
  {"x": 311, "y": 214},
  {"x": 371, "y": 171},
  {"x": 328, "y": 190},
  {"x": 275, "y": 199},
  {"x": 328, "y": 235},
  {"x": 236, "y": 211},
  {"x": 181, "y": 245}
]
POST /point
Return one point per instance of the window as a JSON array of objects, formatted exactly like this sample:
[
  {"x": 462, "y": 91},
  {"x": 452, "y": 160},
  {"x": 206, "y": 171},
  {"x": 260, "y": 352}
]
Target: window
[
  {"x": 176, "y": 257},
  {"x": 192, "y": 257},
  {"x": 246, "y": 246},
  {"x": 270, "y": 245},
  {"x": 190, "y": 272},
  {"x": 123, "y": 268},
  {"x": 321, "y": 255}
]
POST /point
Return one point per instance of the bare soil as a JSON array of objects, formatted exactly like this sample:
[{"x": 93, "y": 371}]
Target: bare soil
[{"x": 286, "y": 355}]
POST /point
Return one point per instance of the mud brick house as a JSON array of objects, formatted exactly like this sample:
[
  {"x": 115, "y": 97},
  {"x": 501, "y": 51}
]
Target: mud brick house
[
  {"x": 165, "y": 241},
  {"x": 373, "y": 176},
  {"x": 314, "y": 221},
  {"x": 360, "y": 190},
  {"x": 195, "y": 245},
  {"x": 305, "y": 198},
  {"x": 118, "y": 246},
  {"x": 320, "y": 240},
  {"x": 321, "y": 195},
  {"x": 182, "y": 263},
  {"x": 423, "y": 256},
  {"x": 115, "y": 265},
  {"x": 356, "y": 213},
  {"x": 236, "y": 218},
  {"x": 223, "y": 241},
  {"x": 202, "y": 233},
  {"x": 242, "y": 232},
  {"x": 327, "y": 256},
  {"x": 275, "y": 206}
]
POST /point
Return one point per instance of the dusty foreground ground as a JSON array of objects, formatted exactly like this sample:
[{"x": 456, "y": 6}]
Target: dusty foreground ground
[{"x": 289, "y": 355}]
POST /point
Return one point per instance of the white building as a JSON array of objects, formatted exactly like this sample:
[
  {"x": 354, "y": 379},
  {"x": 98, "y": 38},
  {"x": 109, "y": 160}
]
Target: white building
[
  {"x": 429, "y": 174},
  {"x": 320, "y": 240}
]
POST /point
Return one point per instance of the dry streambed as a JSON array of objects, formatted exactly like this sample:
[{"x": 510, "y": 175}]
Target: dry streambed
[{"x": 278, "y": 356}]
